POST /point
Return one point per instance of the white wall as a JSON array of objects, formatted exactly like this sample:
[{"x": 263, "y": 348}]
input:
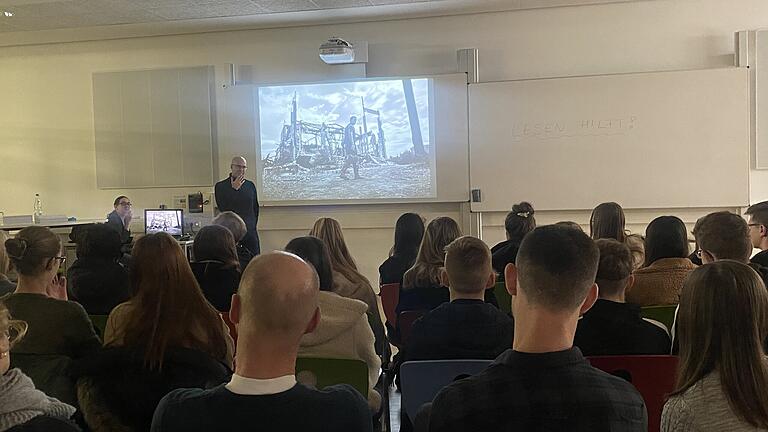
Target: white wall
[{"x": 46, "y": 117}]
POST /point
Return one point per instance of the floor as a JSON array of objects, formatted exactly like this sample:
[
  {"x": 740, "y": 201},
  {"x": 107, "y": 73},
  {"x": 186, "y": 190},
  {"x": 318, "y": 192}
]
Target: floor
[{"x": 394, "y": 409}]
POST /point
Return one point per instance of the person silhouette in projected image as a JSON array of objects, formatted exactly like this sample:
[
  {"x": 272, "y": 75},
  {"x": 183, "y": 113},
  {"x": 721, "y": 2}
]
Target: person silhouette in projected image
[{"x": 350, "y": 151}]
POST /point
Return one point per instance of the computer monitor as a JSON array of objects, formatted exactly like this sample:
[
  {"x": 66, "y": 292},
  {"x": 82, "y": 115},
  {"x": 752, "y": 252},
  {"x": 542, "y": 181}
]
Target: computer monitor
[{"x": 170, "y": 221}]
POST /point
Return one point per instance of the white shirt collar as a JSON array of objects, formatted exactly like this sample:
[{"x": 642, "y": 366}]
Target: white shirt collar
[{"x": 251, "y": 386}]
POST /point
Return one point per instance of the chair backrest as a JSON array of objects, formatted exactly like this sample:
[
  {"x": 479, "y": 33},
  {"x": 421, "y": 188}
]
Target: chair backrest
[
  {"x": 421, "y": 381},
  {"x": 662, "y": 314},
  {"x": 99, "y": 323},
  {"x": 390, "y": 295},
  {"x": 503, "y": 297},
  {"x": 653, "y": 376},
  {"x": 405, "y": 321},
  {"x": 323, "y": 372}
]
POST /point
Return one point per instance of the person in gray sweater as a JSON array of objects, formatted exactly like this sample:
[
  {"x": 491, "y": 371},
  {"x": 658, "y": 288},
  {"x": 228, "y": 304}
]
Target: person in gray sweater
[
  {"x": 723, "y": 372},
  {"x": 21, "y": 404}
]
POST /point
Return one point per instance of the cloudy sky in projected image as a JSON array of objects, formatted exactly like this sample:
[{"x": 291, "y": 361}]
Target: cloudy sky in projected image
[{"x": 336, "y": 102}]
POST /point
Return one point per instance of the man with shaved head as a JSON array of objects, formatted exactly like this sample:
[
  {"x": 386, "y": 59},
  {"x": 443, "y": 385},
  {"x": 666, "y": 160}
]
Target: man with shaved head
[
  {"x": 276, "y": 304},
  {"x": 238, "y": 195}
]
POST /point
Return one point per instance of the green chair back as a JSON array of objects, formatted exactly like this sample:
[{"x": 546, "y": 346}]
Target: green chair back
[
  {"x": 99, "y": 323},
  {"x": 503, "y": 297},
  {"x": 662, "y": 314},
  {"x": 321, "y": 373}
]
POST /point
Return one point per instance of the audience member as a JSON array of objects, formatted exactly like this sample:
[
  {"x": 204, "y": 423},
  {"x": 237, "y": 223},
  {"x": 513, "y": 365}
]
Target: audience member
[
  {"x": 518, "y": 223},
  {"x": 724, "y": 235},
  {"x": 612, "y": 326},
  {"x": 723, "y": 375},
  {"x": 343, "y": 331},
  {"x": 347, "y": 280},
  {"x": 607, "y": 221},
  {"x": 276, "y": 305},
  {"x": 216, "y": 266},
  {"x": 97, "y": 280},
  {"x": 570, "y": 224},
  {"x": 422, "y": 288},
  {"x": 22, "y": 406},
  {"x": 467, "y": 327},
  {"x": 666, "y": 264},
  {"x": 168, "y": 308},
  {"x": 235, "y": 224},
  {"x": 758, "y": 231},
  {"x": 6, "y": 286},
  {"x": 120, "y": 218},
  {"x": 543, "y": 382},
  {"x": 409, "y": 231},
  {"x": 56, "y": 326}
]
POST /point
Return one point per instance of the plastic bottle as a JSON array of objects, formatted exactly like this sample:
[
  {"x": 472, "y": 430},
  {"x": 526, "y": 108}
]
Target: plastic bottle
[{"x": 38, "y": 208}]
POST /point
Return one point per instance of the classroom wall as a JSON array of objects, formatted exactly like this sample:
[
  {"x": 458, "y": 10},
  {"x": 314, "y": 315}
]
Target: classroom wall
[{"x": 46, "y": 118}]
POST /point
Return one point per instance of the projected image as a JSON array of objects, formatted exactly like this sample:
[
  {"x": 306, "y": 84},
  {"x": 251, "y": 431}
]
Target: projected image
[
  {"x": 350, "y": 140},
  {"x": 168, "y": 221}
]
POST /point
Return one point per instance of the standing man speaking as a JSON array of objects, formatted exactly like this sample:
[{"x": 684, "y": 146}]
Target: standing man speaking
[{"x": 237, "y": 194}]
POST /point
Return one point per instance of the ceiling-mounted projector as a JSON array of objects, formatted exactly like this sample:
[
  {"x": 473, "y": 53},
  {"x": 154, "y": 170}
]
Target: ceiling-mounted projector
[{"x": 337, "y": 51}]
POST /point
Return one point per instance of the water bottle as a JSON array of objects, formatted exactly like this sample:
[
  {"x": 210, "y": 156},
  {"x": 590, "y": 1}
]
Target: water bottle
[{"x": 38, "y": 208}]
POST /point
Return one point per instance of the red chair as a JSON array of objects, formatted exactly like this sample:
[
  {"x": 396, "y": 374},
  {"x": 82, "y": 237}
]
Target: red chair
[
  {"x": 653, "y": 376},
  {"x": 390, "y": 295},
  {"x": 405, "y": 322}
]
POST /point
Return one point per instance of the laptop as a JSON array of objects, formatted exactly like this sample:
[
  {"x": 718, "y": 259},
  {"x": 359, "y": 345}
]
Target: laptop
[{"x": 169, "y": 221}]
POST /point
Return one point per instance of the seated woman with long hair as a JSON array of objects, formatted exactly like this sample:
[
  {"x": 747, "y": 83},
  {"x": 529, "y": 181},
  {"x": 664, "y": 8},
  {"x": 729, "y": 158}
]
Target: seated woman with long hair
[
  {"x": 343, "y": 331},
  {"x": 168, "y": 308},
  {"x": 660, "y": 280},
  {"x": 22, "y": 406},
  {"x": 608, "y": 221},
  {"x": 6, "y": 286},
  {"x": 422, "y": 289},
  {"x": 409, "y": 230},
  {"x": 723, "y": 372},
  {"x": 216, "y": 266},
  {"x": 347, "y": 279}
]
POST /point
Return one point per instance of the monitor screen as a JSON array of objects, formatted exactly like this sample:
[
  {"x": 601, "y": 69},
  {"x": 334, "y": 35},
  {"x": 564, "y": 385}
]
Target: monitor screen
[{"x": 170, "y": 221}]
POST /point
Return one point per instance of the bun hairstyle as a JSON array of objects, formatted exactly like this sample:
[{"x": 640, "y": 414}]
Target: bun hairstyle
[
  {"x": 520, "y": 221},
  {"x": 31, "y": 249}
]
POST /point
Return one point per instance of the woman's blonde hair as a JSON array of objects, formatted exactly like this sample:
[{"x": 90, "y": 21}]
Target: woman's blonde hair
[
  {"x": 329, "y": 231},
  {"x": 431, "y": 257},
  {"x": 16, "y": 329},
  {"x": 723, "y": 321},
  {"x": 5, "y": 262}
]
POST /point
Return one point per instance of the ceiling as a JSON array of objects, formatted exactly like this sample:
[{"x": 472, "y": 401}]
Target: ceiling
[{"x": 36, "y": 15}]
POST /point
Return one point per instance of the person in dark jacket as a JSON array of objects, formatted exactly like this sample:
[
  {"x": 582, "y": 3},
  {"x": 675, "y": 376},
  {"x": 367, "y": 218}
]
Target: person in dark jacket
[
  {"x": 409, "y": 231},
  {"x": 758, "y": 231},
  {"x": 120, "y": 218},
  {"x": 612, "y": 326},
  {"x": 216, "y": 266},
  {"x": 467, "y": 327},
  {"x": 518, "y": 223},
  {"x": 96, "y": 279},
  {"x": 238, "y": 195}
]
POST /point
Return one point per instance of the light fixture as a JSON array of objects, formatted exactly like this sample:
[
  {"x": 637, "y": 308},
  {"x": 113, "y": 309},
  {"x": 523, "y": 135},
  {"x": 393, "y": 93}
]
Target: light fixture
[{"x": 7, "y": 14}]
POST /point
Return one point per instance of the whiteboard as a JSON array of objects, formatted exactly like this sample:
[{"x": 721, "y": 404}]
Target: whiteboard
[{"x": 649, "y": 140}]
